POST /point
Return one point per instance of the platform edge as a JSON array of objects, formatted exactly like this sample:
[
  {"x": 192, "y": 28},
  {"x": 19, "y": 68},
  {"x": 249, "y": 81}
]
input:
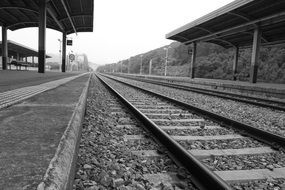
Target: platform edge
[{"x": 61, "y": 170}]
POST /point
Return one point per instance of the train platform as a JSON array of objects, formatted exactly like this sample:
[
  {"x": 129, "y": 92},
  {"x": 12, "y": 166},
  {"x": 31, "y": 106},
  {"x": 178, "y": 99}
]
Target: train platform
[
  {"x": 13, "y": 79},
  {"x": 31, "y": 131},
  {"x": 243, "y": 87}
]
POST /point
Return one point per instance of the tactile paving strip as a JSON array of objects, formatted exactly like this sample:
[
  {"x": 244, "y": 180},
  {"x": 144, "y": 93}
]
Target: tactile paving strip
[{"x": 9, "y": 98}]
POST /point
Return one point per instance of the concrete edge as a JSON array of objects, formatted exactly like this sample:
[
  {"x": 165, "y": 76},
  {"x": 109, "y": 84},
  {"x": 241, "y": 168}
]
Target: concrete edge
[{"x": 61, "y": 170}]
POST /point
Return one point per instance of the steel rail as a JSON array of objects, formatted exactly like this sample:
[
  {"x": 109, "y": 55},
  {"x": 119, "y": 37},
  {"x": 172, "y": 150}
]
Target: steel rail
[
  {"x": 220, "y": 94},
  {"x": 202, "y": 177},
  {"x": 271, "y": 139}
]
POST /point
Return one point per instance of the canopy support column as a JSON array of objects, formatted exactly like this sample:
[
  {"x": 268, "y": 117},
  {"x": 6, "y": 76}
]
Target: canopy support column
[
  {"x": 193, "y": 60},
  {"x": 236, "y": 51},
  {"x": 4, "y": 48},
  {"x": 63, "y": 63},
  {"x": 255, "y": 54},
  {"x": 42, "y": 36}
]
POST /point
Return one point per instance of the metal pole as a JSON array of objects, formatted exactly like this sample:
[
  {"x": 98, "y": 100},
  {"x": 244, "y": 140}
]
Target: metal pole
[
  {"x": 69, "y": 65},
  {"x": 255, "y": 55},
  {"x": 193, "y": 59},
  {"x": 4, "y": 48},
  {"x": 59, "y": 53},
  {"x": 42, "y": 36},
  {"x": 63, "y": 62},
  {"x": 236, "y": 50},
  {"x": 165, "y": 68},
  {"x": 129, "y": 64},
  {"x": 141, "y": 65},
  {"x": 150, "y": 65}
]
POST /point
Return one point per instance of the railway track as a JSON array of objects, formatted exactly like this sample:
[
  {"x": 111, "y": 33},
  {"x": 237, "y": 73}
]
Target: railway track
[
  {"x": 258, "y": 101},
  {"x": 217, "y": 151}
]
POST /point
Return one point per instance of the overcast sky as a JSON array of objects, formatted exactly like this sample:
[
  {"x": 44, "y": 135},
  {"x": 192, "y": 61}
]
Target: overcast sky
[{"x": 124, "y": 28}]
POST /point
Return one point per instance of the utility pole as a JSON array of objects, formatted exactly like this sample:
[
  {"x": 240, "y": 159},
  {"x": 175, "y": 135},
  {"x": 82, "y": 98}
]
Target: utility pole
[
  {"x": 166, "y": 57},
  {"x": 59, "y": 52},
  {"x": 129, "y": 64},
  {"x": 150, "y": 65},
  {"x": 141, "y": 65}
]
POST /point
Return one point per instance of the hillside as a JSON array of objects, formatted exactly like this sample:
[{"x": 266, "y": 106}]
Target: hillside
[{"x": 212, "y": 62}]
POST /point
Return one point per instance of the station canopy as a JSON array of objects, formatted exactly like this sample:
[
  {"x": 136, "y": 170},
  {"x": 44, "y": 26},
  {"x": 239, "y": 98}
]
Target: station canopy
[
  {"x": 14, "y": 48},
  {"x": 234, "y": 24},
  {"x": 68, "y": 16}
]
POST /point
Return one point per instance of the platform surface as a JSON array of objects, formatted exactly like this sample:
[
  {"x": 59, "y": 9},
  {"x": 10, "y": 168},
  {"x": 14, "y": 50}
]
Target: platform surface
[
  {"x": 11, "y": 79},
  {"x": 31, "y": 130}
]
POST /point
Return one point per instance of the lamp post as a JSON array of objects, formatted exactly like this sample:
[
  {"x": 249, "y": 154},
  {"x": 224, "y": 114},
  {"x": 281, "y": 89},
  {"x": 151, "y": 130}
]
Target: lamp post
[
  {"x": 166, "y": 57},
  {"x": 59, "y": 50},
  {"x": 129, "y": 64},
  {"x": 141, "y": 64},
  {"x": 150, "y": 65}
]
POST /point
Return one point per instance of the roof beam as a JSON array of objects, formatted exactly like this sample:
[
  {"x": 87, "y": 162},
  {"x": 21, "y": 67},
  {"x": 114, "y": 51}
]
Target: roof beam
[
  {"x": 246, "y": 18},
  {"x": 12, "y": 16},
  {"x": 243, "y": 27},
  {"x": 69, "y": 17},
  {"x": 74, "y": 16},
  {"x": 52, "y": 14},
  {"x": 262, "y": 37},
  {"x": 224, "y": 41},
  {"x": 22, "y": 13},
  {"x": 240, "y": 15},
  {"x": 181, "y": 37},
  {"x": 20, "y": 8},
  {"x": 204, "y": 29},
  {"x": 82, "y": 11},
  {"x": 30, "y": 22},
  {"x": 87, "y": 27},
  {"x": 217, "y": 37}
]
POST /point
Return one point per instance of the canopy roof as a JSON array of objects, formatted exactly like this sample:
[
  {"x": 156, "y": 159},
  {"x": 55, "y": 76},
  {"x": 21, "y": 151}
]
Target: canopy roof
[
  {"x": 62, "y": 15},
  {"x": 21, "y": 49},
  {"x": 233, "y": 24}
]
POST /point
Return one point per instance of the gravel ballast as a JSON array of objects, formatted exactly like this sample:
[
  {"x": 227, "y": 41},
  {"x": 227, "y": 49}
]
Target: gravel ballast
[
  {"x": 264, "y": 118},
  {"x": 105, "y": 160}
]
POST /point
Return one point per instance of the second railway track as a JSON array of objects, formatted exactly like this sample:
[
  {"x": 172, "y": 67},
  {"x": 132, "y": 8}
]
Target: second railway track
[
  {"x": 218, "y": 150},
  {"x": 254, "y": 100}
]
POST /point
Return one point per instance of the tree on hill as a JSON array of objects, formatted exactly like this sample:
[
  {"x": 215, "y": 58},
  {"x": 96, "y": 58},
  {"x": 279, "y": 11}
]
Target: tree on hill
[{"x": 212, "y": 61}]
